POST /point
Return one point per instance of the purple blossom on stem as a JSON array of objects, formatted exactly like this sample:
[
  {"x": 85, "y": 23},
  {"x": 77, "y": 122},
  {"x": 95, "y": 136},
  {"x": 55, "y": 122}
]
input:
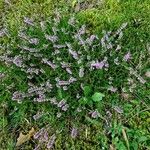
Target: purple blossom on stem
[
  {"x": 62, "y": 83},
  {"x": 34, "y": 41},
  {"x": 72, "y": 79},
  {"x": 18, "y": 61},
  {"x": 61, "y": 103},
  {"x": 127, "y": 57},
  {"x": 51, "y": 141},
  {"x": 18, "y": 96},
  {"x": 73, "y": 53},
  {"x": 74, "y": 133},
  {"x": 37, "y": 116},
  {"x": 33, "y": 70},
  {"x": 52, "y": 65},
  {"x": 2, "y": 33},
  {"x": 65, "y": 107},
  {"x": 82, "y": 30},
  {"x": 98, "y": 65},
  {"x": 69, "y": 70},
  {"x": 28, "y": 21},
  {"x": 59, "y": 46},
  {"x": 53, "y": 101},
  {"x": 95, "y": 114},
  {"x": 91, "y": 39},
  {"x": 118, "y": 109},
  {"x": 45, "y": 136},
  {"x": 112, "y": 89},
  {"x": 72, "y": 21},
  {"x": 52, "y": 38},
  {"x": 38, "y": 134}
]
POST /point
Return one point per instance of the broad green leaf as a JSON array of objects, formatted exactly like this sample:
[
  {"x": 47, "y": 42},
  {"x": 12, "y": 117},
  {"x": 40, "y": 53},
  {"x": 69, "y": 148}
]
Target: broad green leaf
[{"x": 97, "y": 97}]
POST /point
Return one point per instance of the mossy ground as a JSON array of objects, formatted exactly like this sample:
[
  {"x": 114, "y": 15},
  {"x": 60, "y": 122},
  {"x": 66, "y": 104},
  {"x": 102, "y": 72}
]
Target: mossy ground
[{"x": 105, "y": 15}]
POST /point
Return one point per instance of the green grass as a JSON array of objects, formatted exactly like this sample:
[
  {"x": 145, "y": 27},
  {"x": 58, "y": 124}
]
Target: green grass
[{"x": 94, "y": 134}]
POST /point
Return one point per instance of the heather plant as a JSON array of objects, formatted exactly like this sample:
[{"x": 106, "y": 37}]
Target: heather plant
[{"x": 58, "y": 71}]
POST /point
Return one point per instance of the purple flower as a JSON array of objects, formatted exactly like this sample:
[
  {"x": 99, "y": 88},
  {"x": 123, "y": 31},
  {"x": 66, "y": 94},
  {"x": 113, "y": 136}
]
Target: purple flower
[
  {"x": 127, "y": 56},
  {"x": 95, "y": 114},
  {"x": 28, "y": 21},
  {"x": 91, "y": 39},
  {"x": 82, "y": 30},
  {"x": 112, "y": 89},
  {"x": 59, "y": 46},
  {"x": 45, "y": 136},
  {"x": 98, "y": 65},
  {"x": 74, "y": 133},
  {"x": 33, "y": 70},
  {"x": 18, "y": 96},
  {"x": 73, "y": 53},
  {"x": 37, "y": 116},
  {"x": 62, "y": 83},
  {"x": 65, "y": 107},
  {"x": 53, "y": 101},
  {"x": 2, "y": 33},
  {"x": 72, "y": 21},
  {"x": 61, "y": 103},
  {"x": 18, "y": 61},
  {"x": 69, "y": 70},
  {"x": 52, "y": 65},
  {"x": 38, "y": 134},
  {"x": 51, "y": 141},
  {"x": 52, "y": 38},
  {"x": 34, "y": 41},
  {"x": 118, "y": 109},
  {"x": 72, "y": 79}
]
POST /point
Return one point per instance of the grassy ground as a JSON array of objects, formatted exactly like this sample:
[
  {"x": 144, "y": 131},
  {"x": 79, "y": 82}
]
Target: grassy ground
[{"x": 123, "y": 127}]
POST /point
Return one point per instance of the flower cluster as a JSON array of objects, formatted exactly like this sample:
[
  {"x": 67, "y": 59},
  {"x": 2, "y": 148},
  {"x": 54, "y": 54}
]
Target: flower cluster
[{"x": 64, "y": 57}]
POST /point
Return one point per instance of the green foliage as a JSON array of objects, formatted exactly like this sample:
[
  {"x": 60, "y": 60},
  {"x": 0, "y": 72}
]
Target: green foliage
[
  {"x": 95, "y": 133},
  {"x": 97, "y": 97}
]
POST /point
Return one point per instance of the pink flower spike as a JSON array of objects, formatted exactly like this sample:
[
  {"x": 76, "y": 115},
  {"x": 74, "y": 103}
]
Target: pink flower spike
[
  {"x": 98, "y": 65},
  {"x": 127, "y": 56},
  {"x": 112, "y": 89},
  {"x": 95, "y": 114},
  {"x": 73, "y": 132},
  {"x": 51, "y": 141},
  {"x": 63, "y": 83}
]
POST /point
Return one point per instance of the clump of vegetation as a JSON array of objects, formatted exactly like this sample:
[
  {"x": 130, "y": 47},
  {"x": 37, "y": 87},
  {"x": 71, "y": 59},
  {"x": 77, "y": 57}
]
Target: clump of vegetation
[
  {"x": 78, "y": 81},
  {"x": 71, "y": 71}
]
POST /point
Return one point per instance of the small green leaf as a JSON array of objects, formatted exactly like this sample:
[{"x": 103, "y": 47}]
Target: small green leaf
[
  {"x": 87, "y": 90},
  {"x": 83, "y": 100},
  {"x": 97, "y": 97},
  {"x": 142, "y": 139}
]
